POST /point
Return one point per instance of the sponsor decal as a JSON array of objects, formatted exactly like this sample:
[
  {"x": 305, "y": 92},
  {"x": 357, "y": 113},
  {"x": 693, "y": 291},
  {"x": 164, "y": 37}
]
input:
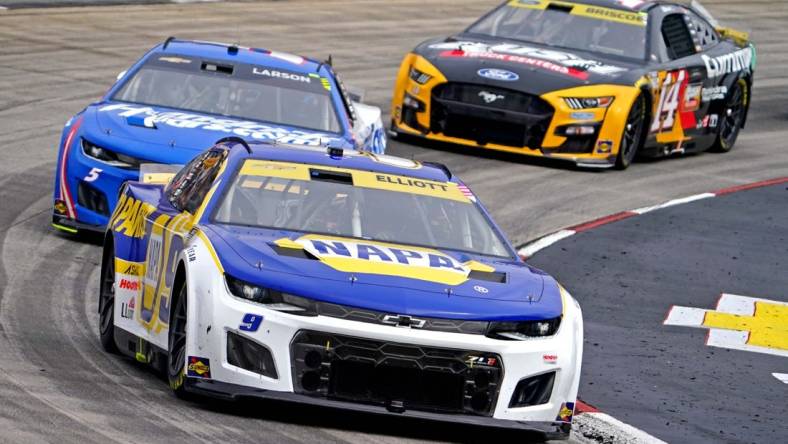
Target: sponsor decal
[
  {"x": 191, "y": 254},
  {"x": 198, "y": 367},
  {"x": 489, "y": 97},
  {"x": 616, "y": 15},
  {"x": 241, "y": 128},
  {"x": 604, "y": 146},
  {"x": 170, "y": 59},
  {"x": 714, "y": 93},
  {"x": 60, "y": 206},
  {"x": 713, "y": 120},
  {"x": 358, "y": 256},
  {"x": 692, "y": 97},
  {"x": 582, "y": 116},
  {"x": 719, "y": 66},
  {"x": 133, "y": 270},
  {"x": 487, "y": 361},
  {"x": 498, "y": 74},
  {"x": 130, "y": 220},
  {"x": 281, "y": 75},
  {"x": 127, "y": 284},
  {"x": 550, "y": 358},
  {"x": 481, "y": 289},
  {"x": 127, "y": 310},
  {"x": 556, "y": 61},
  {"x": 566, "y": 412}
]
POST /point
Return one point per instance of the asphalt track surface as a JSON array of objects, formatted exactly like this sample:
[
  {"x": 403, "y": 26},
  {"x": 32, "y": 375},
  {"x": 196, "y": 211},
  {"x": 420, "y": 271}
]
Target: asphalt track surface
[
  {"x": 56, "y": 384},
  {"x": 664, "y": 379}
]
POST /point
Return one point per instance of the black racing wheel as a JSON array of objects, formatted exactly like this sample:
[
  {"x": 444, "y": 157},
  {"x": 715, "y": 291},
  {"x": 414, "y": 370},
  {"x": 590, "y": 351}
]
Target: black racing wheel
[
  {"x": 732, "y": 117},
  {"x": 632, "y": 139},
  {"x": 107, "y": 298},
  {"x": 176, "y": 350}
]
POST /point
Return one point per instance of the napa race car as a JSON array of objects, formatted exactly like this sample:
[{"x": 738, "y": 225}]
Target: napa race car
[
  {"x": 182, "y": 96},
  {"x": 594, "y": 82},
  {"x": 341, "y": 279}
]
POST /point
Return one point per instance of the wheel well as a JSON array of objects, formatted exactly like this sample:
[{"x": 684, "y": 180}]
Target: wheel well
[{"x": 177, "y": 284}]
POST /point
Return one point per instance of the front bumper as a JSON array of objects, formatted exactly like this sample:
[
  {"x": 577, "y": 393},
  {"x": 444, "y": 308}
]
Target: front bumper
[
  {"x": 222, "y": 316},
  {"x": 519, "y": 126},
  {"x": 549, "y": 429}
]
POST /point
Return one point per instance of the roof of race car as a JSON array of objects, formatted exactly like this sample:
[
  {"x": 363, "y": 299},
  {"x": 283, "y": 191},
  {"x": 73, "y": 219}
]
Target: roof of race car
[
  {"x": 227, "y": 52},
  {"x": 349, "y": 159},
  {"x": 627, "y": 5}
]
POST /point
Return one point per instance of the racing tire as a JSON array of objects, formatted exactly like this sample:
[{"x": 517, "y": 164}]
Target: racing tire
[
  {"x": 176, "y": 345},
  {"x": 106, "y": 304},
  {"x": 732, "y": 117},
  {"x": 633, "y": 136}
]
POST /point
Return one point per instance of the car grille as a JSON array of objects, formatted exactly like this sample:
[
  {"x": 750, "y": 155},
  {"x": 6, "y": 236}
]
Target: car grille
[
  {"x": 489, "y": 115},
  {"x": 394, "y": 375}
]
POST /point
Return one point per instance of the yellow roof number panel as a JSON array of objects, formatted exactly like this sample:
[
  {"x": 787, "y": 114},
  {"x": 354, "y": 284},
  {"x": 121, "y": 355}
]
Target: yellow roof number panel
[
  {"x": 595, "y": 12},
  {"x": 364, "y": 179}
]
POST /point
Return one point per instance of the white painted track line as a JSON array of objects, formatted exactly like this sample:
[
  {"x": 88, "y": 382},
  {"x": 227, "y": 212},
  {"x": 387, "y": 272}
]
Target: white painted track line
[
  {"x": 674, "y": 202},
  {"x": 782, "y": 377},
  {"x": 531, "y": 249}
]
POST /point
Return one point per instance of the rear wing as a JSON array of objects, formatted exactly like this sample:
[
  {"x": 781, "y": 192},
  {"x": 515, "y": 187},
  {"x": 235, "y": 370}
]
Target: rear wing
[{"x": 158, "y": 173}]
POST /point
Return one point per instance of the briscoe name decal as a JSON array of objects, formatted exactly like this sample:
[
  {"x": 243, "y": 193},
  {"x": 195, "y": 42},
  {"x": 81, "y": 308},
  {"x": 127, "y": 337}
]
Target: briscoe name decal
[
  {"x": 740, "y": 60},
  {"x": 242, "y": 128},
  {"x": 354, "y": 256},
  {"x": 557, "y": 61}
]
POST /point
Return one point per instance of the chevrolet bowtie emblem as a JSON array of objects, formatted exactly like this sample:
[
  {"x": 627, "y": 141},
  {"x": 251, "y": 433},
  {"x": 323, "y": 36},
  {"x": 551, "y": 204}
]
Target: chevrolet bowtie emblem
[{"x": 403, "y": 321}]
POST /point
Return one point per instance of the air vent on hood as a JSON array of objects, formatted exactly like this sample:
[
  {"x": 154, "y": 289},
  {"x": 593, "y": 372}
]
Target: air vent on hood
[
  {"x": 292, "y": 252},
  {"x": 489, "y": 276}
]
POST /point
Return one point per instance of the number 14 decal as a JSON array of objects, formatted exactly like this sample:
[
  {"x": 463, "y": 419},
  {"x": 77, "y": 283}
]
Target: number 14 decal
[{"x": 669, "y": 100}]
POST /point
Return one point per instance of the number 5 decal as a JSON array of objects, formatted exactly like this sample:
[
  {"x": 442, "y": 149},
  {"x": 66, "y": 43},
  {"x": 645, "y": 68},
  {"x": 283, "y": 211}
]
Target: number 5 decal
[
  {"x": 92, "y": 175},
  {"x": 251, "y": 322}
]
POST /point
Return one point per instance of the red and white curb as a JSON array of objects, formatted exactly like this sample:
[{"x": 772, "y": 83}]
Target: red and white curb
[
  {"x": 531, "y": 248},
  {"x": 591, "y": 425}
]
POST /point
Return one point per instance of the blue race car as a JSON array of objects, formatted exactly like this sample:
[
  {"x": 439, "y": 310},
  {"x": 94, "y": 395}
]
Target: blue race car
[
  {"x": 336, "y": 278},
  {"x": 179, "y": 98}
]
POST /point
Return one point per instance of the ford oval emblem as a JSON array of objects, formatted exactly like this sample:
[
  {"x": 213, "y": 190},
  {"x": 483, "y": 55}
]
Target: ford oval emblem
[{"x": 498, "y": 74}]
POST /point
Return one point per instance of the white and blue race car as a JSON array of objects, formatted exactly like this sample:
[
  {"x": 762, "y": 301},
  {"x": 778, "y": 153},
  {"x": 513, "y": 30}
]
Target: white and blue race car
[{"x": 337, "y": 278}]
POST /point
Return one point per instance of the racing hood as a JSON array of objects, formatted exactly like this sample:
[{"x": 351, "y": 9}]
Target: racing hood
[
  {"x": 524, "y": 67},
  {"x": 161, "y": 133},
  {"x": 387, "y": 277}
]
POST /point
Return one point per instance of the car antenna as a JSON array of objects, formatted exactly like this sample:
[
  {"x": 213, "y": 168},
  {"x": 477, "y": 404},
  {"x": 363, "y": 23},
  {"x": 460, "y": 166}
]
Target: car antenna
[
  {"x": 329, "y": 61},
  {"x": 167, "y": 42},
  {"x": 236, "y": 140}
]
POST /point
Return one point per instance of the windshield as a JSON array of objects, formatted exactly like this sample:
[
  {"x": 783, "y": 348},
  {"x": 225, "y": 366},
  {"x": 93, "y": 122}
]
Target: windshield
[
  {"x": 233, "y": 90},
  {"x": 614, "y": 32},
  {"x": 358, "y": 204}
]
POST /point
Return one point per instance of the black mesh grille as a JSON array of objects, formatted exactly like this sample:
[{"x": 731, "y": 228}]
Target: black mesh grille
[
  {"x": 489, "y": 115},
  {"x": 398, "y": 376}
]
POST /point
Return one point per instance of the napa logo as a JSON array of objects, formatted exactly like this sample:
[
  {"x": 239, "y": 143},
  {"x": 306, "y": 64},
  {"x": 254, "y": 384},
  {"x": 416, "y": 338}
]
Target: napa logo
[
  {"x": 355, "y": 256},
  {"x": 498, "y": 74}
]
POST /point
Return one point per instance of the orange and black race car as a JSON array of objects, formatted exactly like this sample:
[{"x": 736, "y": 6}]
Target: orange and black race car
[{"x": 590, "y": 81}]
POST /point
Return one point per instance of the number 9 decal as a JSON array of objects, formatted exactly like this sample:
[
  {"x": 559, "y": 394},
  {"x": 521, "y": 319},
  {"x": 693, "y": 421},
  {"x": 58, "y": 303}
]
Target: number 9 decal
[{"x": 251, "y": 322}]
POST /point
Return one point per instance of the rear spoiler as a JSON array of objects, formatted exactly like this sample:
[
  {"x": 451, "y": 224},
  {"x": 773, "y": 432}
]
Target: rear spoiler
[{"x": 158, "y": 173}]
